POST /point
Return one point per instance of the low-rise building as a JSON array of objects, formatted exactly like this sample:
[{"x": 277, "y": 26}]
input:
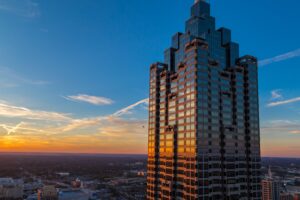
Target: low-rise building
[
  {"x": 11, "y": 189},
  {"x": 71, "y": 194},
  {"x": 48, "y": 192}
]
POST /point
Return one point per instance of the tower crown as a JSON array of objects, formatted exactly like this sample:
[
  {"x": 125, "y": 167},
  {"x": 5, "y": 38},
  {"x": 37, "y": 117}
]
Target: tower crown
[
  {"x": 196, "y": 1},
  {"x": 200, "y": 8}
]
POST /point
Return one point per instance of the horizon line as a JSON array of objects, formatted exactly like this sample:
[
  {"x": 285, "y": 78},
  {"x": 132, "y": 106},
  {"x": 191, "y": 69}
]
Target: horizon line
[
  {"x": 71, "y": 153},
  {"x": 106, "y": 154}
]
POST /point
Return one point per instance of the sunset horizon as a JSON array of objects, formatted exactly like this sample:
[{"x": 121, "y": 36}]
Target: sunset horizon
[
  {"x": 149, "y": 100},
  {"x": 78, "y": 81}
]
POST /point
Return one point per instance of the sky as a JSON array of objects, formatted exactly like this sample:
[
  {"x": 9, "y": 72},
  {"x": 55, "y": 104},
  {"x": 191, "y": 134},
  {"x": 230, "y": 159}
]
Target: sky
[{"x": 74, "y": 75}]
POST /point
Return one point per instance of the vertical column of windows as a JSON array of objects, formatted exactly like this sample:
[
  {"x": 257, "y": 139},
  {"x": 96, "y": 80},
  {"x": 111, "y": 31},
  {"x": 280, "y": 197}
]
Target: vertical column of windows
[
  {"x": 153, "y": 143},
  {"x": 239, "y": 121},
  {"x": 203, "y": 118},
  {"x": 253, "y": 123},
  {"x": 252, "y": 127}
]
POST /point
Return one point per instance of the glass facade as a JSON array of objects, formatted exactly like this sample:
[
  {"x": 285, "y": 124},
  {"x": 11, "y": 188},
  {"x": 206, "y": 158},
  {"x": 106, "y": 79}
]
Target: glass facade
[{"x": 204, "y": 139}]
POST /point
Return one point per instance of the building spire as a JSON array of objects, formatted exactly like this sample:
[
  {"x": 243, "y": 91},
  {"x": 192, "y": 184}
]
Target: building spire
[
  {"x": 196, "y": 1},
  {"x": 270, "y": 172}
]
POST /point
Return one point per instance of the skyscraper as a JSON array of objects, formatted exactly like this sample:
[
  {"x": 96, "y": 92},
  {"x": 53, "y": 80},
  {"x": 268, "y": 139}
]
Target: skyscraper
[
  {"x": 267, "y": 189},
  {"x": 270, "y": 189},
  {"x": 204, "y": 139}
]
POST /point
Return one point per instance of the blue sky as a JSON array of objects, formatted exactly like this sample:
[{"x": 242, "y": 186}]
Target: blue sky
[{"x": 89, "y": 59}]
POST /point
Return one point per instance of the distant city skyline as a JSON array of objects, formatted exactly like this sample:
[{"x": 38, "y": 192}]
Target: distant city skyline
[{"x": 74, "y": 77}]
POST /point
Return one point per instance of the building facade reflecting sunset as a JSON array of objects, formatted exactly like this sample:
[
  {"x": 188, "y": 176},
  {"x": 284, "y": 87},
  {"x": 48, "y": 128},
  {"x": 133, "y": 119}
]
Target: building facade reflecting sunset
[{"x": 204, "y": 138}]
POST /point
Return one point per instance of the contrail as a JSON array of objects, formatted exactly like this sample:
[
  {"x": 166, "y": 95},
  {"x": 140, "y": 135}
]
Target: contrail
[
  {"x": 12, "y": 129},
  {"x": 286, "y": 56},
  {"x": 129, "y": 108},
  {"x": 278, "y": 103}
]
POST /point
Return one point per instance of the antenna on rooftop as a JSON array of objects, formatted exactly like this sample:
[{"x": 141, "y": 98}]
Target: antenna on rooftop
[
  {"x": 196, "y": 1},
  {"x": 270, "y": 172}
]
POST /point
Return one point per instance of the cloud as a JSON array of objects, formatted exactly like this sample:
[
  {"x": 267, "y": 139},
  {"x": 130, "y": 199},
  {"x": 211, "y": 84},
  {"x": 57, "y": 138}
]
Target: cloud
[
  {"x": 295, "y": 132},
  {"x": 96, "y": 121},
  {"x": 286, "y": 56},
  {"x": 11, "y": 129},
  {"x": 276, "y": 94},
  {"x": 117, "y": 127},
  {"x": 127, "y": 109},
  {"x": 8, "y": 85},
  {"x": 11, "y": 111},
  {"x": 280, "y": 126},
  {"x": 23, "y": 8},
  {"x": 101, "y": 134},
  {"x": 68, "y": 123},
  {"x": 284, "y": 102},
  {"x": 82, "y": 123},
  {"x": 10, "y": 78},
  {"x": 23, "y": 128},
  {"x": 280, "y": 133},
  {"x": 90, "y": 99}
]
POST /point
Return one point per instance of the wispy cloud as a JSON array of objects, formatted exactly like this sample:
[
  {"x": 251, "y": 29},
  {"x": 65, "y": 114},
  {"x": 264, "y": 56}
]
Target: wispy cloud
[
  {"x": 7, "y": 85},
  {"x": 117, "y": 127},
  {"x": 82, "y": 123},
  {"x": 295, "y": 131},
  {"x": 276, "y": 94},
  {"x": 95, "y": 100},
  {"x": 280, "y": 133},
  {"x": 68, "y": 122},
  {"x": 10, "y": 78},
  {"x": 11, "y": 111},
  {"x": 22, "y": 127},
  {"x": 96, "y": 121},
  {"x": 280, "y": 126},
  {"x": 128, "y": 109},
  {"x": 285, "y": 56},
  {"x": 11, "y": 129},
  {"x": 284, "y": 102},
  {"x": 23, "y": 8},
  {"x": 103, "y": 134}
]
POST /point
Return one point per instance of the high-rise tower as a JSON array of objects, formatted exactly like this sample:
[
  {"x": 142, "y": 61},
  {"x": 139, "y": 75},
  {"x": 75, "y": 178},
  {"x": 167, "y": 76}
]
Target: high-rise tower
[{"x": 204, "y": 138}]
